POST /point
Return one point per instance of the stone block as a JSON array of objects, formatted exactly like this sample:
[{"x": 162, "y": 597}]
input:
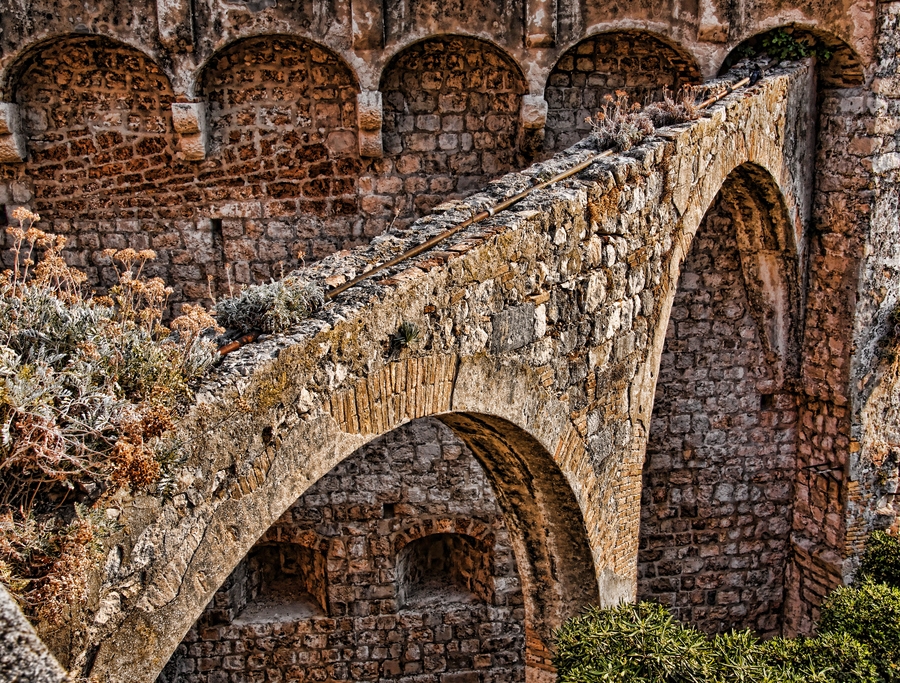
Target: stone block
[
  {"x": 12, "y": 143},
  {"x": 189, "y": 121},
  {"x": 369, "y": 116}
]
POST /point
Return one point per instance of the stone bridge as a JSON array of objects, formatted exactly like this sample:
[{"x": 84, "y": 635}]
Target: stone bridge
[{"x": 542, "y": 333}]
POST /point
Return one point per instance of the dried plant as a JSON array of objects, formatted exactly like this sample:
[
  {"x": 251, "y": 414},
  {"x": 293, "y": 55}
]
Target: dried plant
[
  {"x": 671, "y": 110},
  {"x": 89, "y": 386},
  {"x": 621, "y": 124},
  {"x": 271, "y": 307}
]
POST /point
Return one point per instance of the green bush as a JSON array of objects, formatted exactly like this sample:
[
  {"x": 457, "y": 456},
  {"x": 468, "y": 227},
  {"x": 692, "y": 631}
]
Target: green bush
[
  {"x": 870, "y": 612},
  {"x": 645, "y": 644},
  {"x": 639, "y": 643},
  {"x": 837, "y": 657},
  {"x": 881, "y": 561}
]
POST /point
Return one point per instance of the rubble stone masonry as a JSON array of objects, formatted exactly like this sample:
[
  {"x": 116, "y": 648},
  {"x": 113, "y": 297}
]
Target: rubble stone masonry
[
  {"x": 721, "y": 457},
  {"x": 374, "y": 611},
  {"x": 243, "y": 139}
]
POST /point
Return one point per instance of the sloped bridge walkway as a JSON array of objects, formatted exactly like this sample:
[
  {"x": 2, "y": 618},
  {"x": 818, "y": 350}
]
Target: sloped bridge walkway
[{"x": 541, "y": 331}]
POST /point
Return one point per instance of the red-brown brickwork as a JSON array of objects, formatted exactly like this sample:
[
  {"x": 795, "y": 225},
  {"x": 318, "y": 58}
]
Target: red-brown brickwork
[
  {"x": 636, "y": 63},
  {"x": 715, "y": 523},
  {"x": 396, "y": 565},
  {"x": 284, "y": 132},
  {"x": 451, "y": 123}
]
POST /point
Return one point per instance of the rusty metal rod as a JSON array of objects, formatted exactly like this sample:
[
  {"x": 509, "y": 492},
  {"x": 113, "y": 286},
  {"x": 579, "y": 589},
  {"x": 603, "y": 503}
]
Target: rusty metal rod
[{"x": 492, "y": 211}]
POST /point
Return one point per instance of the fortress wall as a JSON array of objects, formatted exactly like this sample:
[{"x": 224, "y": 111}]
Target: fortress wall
[{"x": 400, "y": 491}]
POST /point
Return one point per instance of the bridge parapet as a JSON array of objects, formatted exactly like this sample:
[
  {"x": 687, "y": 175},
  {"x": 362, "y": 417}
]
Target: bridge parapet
[{"x": 541, "y": 331}]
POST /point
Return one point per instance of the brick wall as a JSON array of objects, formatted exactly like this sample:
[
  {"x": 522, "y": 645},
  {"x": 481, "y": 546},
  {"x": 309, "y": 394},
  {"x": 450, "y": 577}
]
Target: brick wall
[
  {"x": 417, "y": 498},
  {"x": 451, "y": 123},
  {"x": 283, "y": 178},
  {"x": 716, "y": 508},
  {"x": 633, "y": 62}
]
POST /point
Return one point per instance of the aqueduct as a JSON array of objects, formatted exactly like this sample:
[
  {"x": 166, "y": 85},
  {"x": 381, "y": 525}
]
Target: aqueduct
[{"x": 661, "y": 378}]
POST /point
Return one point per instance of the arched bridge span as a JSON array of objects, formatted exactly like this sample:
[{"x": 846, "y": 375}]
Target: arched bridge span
[{"x": 541, "y": 331}]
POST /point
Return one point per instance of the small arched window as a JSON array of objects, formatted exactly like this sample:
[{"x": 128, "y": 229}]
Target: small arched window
[
  {"x": 282, "y": 582},
  {"x": 442, "y": 568}
]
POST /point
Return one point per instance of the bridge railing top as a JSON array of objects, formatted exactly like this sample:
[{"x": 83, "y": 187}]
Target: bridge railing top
[{"x": 604, "y": 174}]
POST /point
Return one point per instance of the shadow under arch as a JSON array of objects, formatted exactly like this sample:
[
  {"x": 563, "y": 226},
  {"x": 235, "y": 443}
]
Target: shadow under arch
[
  {"x": 541, "y": 510},
  {"x": 841, "y": 69},
  {"x": 200, "y": 84},
  {"x": 11, "y": 76},
  {"x": 770, "y": 260},
  {"x": 721, "y": 454}
]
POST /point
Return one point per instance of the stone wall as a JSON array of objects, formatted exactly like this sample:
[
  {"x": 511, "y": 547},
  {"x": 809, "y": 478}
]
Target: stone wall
[
  {"x": 540, "y": 336},
  {"x": 396, "y": 565},
  {"x": 451, "y": 123},
  {"x": 635, "y": 63},
  {"x": 721, "y": 457}
]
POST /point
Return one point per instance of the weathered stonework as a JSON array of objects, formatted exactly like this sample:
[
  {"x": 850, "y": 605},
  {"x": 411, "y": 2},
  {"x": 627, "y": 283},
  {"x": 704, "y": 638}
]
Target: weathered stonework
[
  {"x": 556, "y": 410},
  {"x": 415, "y": 577},
  {"x": 244, "y": 137},
  {"x": 721, "y": 458}
]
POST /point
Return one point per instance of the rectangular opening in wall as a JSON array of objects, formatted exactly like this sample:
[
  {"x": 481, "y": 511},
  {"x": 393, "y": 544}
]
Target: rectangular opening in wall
[
  {"x": 767, "y": 402},
  {"x": 4, "y": 221},
  {"x": 387, "y": 511}
]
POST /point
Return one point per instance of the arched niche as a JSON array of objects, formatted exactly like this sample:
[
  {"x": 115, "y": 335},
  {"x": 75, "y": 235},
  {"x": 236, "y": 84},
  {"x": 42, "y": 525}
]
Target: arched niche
[
  {"x": 451, "y": 121},
  {"x": 442, "y": 568},
  {"x": 639, "y": 63},
  {"x": 838, "y": 64},
  {"x": 721, "y": 455},
  {"x": 283, "y": 130},
  {"x": 98, "y": 126}
]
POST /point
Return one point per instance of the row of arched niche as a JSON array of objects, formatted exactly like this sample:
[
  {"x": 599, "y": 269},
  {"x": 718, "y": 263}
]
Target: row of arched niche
[
  {"x": 638, "y": 62},
  {"x": 848, "y": 74}
]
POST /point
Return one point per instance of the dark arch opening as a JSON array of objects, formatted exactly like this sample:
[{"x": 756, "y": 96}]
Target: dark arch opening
[
  {"x": 398, "y": 562},
  {"x": 442, "y": 568},
  {"x": 413, "y": 526},
  {"x": 722, "y": 451},
  {"x": 638, "y": 63},
  {"x": 838, "y": 64}
]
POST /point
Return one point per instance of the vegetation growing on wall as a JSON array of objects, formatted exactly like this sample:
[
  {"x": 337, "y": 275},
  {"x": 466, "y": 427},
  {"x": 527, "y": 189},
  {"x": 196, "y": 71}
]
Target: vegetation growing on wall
[
  {"x": 858, "y": 640},
  {"x": 89, "y": 386}
]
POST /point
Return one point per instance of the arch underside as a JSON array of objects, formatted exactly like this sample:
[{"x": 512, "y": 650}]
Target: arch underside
[{"x": 722, "y": 452}]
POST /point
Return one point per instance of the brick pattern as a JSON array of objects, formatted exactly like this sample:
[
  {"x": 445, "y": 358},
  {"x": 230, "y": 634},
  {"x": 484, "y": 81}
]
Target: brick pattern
[
  {"x": 283, "y": 121},
  {"x": 98, "y": 123},
  {"x": 635, "y": 63},
  {"x": 716, "y": 514},
  {"x": 405, "y": 490},
  {"x": 283, "y": 178},
  {"x": 451, "y": 124}
]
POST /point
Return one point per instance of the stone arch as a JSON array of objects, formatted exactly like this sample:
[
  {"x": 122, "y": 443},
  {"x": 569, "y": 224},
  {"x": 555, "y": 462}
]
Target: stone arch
[
  {"x": 721, "y": 453},
  {"x": 844, "y": 69},
  {"x": 97, "y": 120},
  {"x": 639, "y": 63},
  {"x": 528, "y": 463},
  {"x": 14, "y": 65},
  {"x": 283, "y": 128},
  {"x": 451, "y": 121}
]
